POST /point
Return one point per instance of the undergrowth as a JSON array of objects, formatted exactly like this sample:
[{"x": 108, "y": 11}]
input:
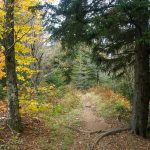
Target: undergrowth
[
  {"x": 53, "y": 107},
  {"x": 64, "y": 113},
  {"x": 110, "y": 104}
]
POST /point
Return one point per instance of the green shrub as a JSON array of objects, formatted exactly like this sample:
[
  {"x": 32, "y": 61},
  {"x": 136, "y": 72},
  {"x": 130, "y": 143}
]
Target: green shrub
[
  {"x": 60, "y": 91},
  {"x": 56, "y": 78},
  {"x": 124, "y": 88},
  {"x": 57, "y": 109},
  {"x": 121, "y": 85},
  {"x": 2, "y": 92},
  {"x": 110, "y": 104},
  {"x": 119, "y": 107}
]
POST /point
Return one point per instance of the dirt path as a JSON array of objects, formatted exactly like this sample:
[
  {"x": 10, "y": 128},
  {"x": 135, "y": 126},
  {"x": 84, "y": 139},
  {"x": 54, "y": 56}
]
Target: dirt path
[{"x": 90, "y": 122}]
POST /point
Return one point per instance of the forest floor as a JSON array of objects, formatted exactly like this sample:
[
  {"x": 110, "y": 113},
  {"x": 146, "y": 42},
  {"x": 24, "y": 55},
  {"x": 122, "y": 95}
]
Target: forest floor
[
  {"x": 73, "y": 133},
  {"x": 92, "y": 122}
]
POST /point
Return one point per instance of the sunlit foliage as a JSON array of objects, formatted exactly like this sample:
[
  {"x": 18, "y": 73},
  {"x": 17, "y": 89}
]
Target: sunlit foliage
[{"x": 2, "y": 64}]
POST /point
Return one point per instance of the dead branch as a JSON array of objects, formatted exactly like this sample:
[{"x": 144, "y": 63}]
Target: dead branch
[
  {"x": 84, "y": 131},
  {"x": 109, "y": 132},
  {"x": 97, "y": 132},
  {"x": 77, "y": 130}
]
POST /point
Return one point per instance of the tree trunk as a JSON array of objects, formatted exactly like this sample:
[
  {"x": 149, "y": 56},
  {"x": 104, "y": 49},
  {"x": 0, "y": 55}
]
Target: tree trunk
[
  {"x": 142, "y": 84},
  {"x": 14, "y": 119},
  {"x": 141, "y": 94},
  {"x": 97, "y": 76}
]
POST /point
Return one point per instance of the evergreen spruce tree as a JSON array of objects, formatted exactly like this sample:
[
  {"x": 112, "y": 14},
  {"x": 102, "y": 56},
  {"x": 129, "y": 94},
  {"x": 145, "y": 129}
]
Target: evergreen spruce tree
[
  {"x": 119, "y": 32},
  {"x": 84, "y": 71}
]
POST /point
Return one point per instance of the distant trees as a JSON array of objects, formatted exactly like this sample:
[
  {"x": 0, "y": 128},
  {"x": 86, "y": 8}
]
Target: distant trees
[
  {"x": 84, "y": 73},
  {"x": 118, "y": 31},
  {"x": 74, "y": 66}
]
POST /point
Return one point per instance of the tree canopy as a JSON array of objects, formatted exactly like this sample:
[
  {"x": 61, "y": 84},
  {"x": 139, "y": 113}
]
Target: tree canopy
[
  {"x": 111, "y": 27},
  {"x": 118, "y": 32}
]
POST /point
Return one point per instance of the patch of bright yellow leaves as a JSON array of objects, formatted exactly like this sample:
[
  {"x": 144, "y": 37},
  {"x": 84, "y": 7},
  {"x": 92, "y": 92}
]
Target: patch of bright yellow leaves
[{"x": 2, "y": 65}]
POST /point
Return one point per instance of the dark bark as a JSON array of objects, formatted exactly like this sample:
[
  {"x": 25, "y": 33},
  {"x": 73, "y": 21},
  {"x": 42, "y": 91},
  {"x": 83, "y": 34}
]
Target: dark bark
[
  {"x": 142, "y": 84},
  {"x": 37, "y": 65},
  {"x": 97, "y": 76},
  {"x": 14, "y": 119},
  {"x": 141, "y": 95}
]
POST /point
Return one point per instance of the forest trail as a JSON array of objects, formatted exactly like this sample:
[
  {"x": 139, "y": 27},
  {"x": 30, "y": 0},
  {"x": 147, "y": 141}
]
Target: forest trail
[{"x": 90, "y": 122}]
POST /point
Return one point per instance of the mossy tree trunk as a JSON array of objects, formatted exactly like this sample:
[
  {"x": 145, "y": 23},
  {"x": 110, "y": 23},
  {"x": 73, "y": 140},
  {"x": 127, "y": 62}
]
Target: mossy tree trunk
[{"x": 14, "y": 119}]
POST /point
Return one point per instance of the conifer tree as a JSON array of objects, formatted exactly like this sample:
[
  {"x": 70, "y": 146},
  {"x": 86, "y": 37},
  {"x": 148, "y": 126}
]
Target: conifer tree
[
  {"x": 119, "y": 32},
  {"x": 84, "y": 70}
]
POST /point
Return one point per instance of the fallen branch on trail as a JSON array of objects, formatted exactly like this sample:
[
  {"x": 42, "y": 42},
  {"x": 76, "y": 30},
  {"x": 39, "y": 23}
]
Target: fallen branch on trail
[
  {"x": 101, "y": 133},
  {"x": 97, "y": 132},
  {"x": 109, "y": 132},
  {"x": 77, "y": 130},
  {"x": 84, "y": 131}
]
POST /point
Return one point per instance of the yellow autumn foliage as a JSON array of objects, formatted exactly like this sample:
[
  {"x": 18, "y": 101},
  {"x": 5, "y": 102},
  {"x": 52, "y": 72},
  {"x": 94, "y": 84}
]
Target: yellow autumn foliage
[
  {"x": 2, "y": 64},
  {"x": 36, "y": 101},
  {"x": 24, "y": 34},
  {"x": 33, "y": 107},
  {"x": 27, "y": 32}
]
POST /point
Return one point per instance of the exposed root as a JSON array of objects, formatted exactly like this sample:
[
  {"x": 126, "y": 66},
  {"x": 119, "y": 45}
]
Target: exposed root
[
  {"x": 97, "y": 132},
  {"x": 84, "y": 131},
  {"x": 101, "y": 133},
  {"x": 107, "y": 133},
  {"x": 77, "y": 130}
]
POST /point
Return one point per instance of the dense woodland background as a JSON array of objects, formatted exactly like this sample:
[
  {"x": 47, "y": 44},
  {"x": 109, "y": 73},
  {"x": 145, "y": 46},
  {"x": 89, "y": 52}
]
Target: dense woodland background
[{"x": 54, "y": 55}]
